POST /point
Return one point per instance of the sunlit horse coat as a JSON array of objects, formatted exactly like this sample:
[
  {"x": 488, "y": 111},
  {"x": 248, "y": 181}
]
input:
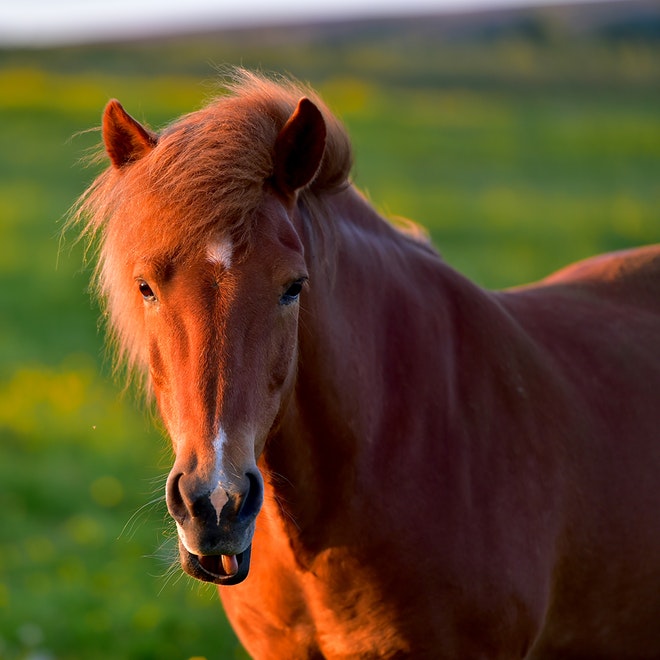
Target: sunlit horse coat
[{"x": 376, "y": 457}]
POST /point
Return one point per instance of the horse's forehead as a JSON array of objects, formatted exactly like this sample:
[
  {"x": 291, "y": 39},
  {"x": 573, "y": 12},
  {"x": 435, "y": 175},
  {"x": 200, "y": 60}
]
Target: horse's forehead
[{"x": 166, "y": 239}]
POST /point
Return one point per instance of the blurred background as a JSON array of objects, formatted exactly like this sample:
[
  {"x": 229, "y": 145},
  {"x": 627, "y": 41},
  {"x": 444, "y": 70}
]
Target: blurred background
[{"x": 522, "y": 135}]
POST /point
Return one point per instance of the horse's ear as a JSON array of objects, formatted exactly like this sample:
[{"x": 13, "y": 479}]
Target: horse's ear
[
  {"x": 125, "y": 139},
  {"x": 299, "y": 148}
]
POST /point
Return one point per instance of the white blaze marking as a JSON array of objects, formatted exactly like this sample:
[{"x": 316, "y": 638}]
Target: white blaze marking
[
  {"x": 221, "y": 252},
  {"x": 219, "y": 496}
]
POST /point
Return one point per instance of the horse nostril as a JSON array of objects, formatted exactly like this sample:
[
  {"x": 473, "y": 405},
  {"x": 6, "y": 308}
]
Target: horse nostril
[
  {"x": 253, "y": 498},
  {"x": 175, "y": 504}
]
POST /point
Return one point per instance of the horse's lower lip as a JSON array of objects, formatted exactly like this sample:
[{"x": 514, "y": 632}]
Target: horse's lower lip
[{"x": 210, "y": 569}]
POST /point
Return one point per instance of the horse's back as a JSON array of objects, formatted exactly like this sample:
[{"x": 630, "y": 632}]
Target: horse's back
[
  {"x": 633, "y": 274},
  {"x": 606, "y": 308}
]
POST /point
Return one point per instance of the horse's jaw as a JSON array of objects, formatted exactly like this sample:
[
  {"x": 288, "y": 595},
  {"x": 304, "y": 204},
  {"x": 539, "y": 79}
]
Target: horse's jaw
[{"x": 219, "y": 569}]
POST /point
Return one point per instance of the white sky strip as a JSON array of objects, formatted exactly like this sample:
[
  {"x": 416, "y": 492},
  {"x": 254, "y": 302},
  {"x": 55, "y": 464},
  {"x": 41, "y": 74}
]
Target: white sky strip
[{"x": 44, "y": 22}]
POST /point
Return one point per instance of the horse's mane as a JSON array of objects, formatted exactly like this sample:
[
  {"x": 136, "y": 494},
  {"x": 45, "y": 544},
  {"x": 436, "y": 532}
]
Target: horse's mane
[{"x": 206, "y": 174}]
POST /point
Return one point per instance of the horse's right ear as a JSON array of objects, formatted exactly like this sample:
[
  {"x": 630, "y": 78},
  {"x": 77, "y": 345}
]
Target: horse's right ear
[{"x": 125, "y": 139}]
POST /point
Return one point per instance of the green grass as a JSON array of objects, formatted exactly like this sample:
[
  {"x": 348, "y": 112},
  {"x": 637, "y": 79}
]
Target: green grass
[{"x": 512, "y": 178}]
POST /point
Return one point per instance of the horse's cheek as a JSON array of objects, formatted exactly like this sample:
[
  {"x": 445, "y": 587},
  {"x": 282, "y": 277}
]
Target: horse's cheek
[{"x": 283, "y": 357}]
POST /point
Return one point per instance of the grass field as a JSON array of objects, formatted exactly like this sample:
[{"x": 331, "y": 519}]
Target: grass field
[{"x": 512, "y": 177}]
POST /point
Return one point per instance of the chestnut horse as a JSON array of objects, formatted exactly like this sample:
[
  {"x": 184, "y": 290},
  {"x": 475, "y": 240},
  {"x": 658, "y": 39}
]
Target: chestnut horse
[{"x": 374, "y": 457}]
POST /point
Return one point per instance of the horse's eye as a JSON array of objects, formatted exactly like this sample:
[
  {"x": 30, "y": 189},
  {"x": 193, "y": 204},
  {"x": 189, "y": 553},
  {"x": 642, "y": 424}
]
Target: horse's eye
[
  {"x": 146, "y": 291},
  {"x": 292, "y": 292}
]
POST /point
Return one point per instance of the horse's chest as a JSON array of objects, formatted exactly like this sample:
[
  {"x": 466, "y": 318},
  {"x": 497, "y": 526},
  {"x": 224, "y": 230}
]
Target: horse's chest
[
  {"x": 274, "y": 635},
  {"x": 322, "y": 613}
]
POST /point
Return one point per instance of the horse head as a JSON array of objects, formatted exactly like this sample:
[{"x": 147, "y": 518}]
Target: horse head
[{"x": 216, "y": 320}]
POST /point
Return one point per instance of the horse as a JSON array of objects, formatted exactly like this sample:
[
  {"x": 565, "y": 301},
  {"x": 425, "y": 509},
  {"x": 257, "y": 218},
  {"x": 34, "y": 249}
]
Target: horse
[{"x": 374, "y": 457}]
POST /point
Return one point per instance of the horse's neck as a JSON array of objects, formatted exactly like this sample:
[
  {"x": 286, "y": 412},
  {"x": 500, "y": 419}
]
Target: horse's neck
[{"x": 378, "y": 334}]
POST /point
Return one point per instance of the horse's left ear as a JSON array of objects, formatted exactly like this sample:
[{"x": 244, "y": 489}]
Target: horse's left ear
[
  {"x": 126, "y": 140},
  {"x": 299, "y": 148}
]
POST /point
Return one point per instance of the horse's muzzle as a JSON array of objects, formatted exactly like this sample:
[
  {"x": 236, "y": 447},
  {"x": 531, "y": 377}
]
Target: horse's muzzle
[{"x": 215, "y": 525}]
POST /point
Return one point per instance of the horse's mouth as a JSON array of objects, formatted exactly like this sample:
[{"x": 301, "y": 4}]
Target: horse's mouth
[{"x": 218, "y": 569}]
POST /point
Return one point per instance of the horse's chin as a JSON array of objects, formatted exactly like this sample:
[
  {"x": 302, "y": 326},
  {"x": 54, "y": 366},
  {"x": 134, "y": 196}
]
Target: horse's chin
[{"x": 214, "y": 568}]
